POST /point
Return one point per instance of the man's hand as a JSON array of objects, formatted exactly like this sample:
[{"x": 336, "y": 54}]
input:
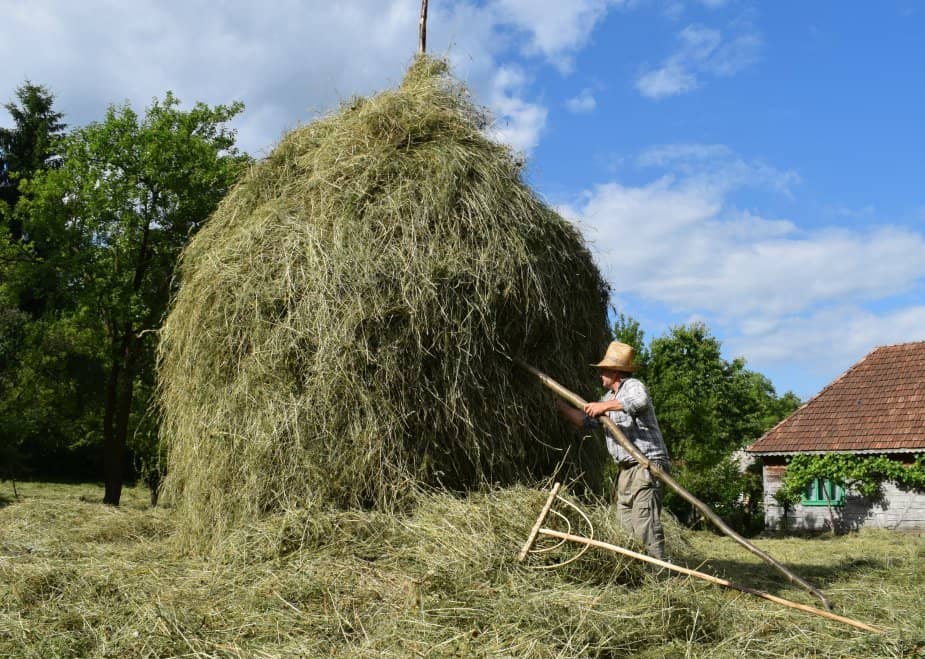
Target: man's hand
[{"x": 595, "y": 410}]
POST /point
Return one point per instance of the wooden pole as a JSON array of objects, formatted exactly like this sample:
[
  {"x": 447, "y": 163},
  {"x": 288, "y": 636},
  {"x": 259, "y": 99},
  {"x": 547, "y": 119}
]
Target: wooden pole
[
  {"x": 666, "y": 478},
  {"x": 708, "y": 577},
  {"x": 422, "y": 29}
]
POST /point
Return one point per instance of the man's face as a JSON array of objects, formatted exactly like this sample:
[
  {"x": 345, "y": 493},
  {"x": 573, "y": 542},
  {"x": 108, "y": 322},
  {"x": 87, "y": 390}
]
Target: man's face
[{"x": 610, "y": 378}]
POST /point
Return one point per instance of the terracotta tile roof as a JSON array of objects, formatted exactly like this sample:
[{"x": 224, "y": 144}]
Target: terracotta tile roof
[{"x": 877, "y": 405}]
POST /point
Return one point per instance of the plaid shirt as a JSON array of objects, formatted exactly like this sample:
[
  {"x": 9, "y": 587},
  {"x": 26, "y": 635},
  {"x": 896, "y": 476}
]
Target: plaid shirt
[{"x": 637, "y": 421}]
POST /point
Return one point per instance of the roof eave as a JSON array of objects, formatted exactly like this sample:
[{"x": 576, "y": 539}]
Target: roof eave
[{"x": 868, "y": 451}]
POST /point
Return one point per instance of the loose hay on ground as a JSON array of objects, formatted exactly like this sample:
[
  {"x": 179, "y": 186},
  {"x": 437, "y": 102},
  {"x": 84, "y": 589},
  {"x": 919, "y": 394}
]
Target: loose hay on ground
[{"x": 437, "y": 580}]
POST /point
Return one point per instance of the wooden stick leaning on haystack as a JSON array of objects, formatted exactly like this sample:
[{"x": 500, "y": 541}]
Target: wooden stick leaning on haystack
[
  {"x": 538, "y": 530},
  {"x": 614, "y": 431}
]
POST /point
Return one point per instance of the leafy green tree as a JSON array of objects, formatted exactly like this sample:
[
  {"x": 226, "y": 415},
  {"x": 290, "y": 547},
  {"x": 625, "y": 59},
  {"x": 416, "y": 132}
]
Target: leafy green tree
[
  {"x": 708, "y": 408},
  {"x": 12, "y": 330},
  {"x": 50, "y": 406},
  {"x": 780, "y": 408},
  {"x": 114, "y": 216},
  {"x": 627, "y": 330},
  {"x": 28, "y": 146},
  {"x": 688, "y": 380}
]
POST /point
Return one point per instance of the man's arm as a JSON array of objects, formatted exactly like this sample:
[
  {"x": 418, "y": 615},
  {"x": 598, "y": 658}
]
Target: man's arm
[
  {"x": 580, "y": 419},
  {"x": 602, "y": 407},
  {"x": 574, "y": 416},
  {"x": 635, "y": 397}
]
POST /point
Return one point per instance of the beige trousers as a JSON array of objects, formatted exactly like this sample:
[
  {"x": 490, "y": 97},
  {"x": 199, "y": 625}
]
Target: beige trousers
[{"x": 639, "y": 501}]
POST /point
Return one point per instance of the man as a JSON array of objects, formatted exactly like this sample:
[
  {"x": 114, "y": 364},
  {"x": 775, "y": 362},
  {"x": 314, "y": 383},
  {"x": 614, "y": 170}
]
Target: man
[{"x": 627, "y": 403}]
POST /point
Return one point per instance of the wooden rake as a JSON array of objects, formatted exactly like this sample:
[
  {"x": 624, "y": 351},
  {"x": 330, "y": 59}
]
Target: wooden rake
[{"x": 588, "y": 542}]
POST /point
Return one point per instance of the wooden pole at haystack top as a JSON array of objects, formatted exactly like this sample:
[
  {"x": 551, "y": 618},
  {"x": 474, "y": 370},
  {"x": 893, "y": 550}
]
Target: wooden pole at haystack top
[
  {"x": 620, "y": 438},
  {"x": 422, "y": 29}
]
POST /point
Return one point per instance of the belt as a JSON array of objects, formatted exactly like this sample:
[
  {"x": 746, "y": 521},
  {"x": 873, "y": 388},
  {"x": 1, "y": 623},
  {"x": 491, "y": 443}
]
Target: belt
[{"x": 628, "y": 464}]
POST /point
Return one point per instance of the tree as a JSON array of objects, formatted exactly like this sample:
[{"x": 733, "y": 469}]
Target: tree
[
  {"x": 25, "y": 149},
  {"x": 688, "y": 381},
  {"x": 28, "y": 146},
  {"x": 627, "y": 330},
  {"x": 50, "y": 400},
  {"x": 707, "y": 409},
  {"x": 12, "y": 330},
  {"x": 128, "y": 195}
]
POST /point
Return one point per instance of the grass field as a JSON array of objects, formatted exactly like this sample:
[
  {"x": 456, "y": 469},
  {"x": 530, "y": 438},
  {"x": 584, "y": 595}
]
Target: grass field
[{"x": 81, "y": 579}]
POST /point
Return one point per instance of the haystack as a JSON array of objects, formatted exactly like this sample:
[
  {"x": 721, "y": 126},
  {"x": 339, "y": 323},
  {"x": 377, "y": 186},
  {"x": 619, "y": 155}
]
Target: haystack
[{"x": 347, "y": 321}]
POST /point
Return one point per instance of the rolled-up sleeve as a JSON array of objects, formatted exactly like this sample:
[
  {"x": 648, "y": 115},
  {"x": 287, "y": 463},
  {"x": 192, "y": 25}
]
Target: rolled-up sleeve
[{"x": 634, "y": 397}]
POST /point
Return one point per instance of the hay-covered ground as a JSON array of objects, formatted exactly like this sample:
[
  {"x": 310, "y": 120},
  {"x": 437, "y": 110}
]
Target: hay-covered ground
[{"x": 81, "y": 579}]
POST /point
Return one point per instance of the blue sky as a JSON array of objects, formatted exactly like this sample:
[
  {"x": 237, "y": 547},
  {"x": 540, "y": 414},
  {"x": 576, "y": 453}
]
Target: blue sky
[{"x": 756, "y": 166}]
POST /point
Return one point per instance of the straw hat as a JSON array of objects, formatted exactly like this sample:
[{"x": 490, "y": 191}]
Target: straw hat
[{"x": 619, "y": 357}]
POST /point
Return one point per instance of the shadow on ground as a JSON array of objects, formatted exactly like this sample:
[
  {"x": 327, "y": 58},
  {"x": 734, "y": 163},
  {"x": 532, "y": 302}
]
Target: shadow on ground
[{"x": 766, "y": 578}]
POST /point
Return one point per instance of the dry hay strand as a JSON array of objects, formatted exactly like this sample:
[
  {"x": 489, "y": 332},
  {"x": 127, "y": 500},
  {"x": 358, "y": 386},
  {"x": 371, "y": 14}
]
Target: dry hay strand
[{"x": 346, "y": 322}]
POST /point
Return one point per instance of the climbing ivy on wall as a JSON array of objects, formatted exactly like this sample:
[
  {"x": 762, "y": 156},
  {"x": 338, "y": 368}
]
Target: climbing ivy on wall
[{"x": 862, "y": 473}]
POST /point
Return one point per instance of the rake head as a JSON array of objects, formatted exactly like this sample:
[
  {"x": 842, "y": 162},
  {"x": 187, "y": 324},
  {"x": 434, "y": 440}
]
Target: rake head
[{"x": 541, "y": 542}]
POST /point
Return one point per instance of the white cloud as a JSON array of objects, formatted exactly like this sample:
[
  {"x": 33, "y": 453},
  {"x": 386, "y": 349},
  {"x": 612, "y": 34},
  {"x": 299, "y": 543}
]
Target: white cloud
[
  {"x": 556, "y": 28},
  {"x": 664, "y": 155},
  {"x": 844, "y": 212},
  {"x": 583, "y": 103},
  {"x": 517, "y": 122},
  {"x": 702, "y": 51},
  {"x": 698, "y": 42},
  {"x": 714, "y": 166},
  {"x": 668, "y": 80},
  {"x": 774, "y": 287},
  {"x": 677, "y": 242},
  {"x": 296, "y": 60},
  {"x": 673, "y": 10},
  {"x": 734, "y": 56},
  {"x": 827, "y": 342},
  {"x": 287, "y": 64}
]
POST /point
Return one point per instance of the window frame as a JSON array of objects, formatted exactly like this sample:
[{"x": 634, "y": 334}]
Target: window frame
[{"x": 814, "y": 494}]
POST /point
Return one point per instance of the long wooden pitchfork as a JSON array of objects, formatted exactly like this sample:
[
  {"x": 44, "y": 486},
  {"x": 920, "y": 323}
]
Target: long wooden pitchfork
[{"x": 587, "y": 542}]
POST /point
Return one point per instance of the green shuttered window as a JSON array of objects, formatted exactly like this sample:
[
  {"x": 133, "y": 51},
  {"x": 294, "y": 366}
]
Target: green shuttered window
[{"x": 822, "y": 492}]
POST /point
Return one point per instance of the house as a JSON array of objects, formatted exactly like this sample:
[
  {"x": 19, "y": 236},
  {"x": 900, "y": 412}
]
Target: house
[{"x": 876, "y": 407}]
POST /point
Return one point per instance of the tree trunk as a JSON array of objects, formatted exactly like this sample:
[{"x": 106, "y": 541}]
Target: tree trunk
[
  {"x": 828, "y": 504},
  {"x": 112, "y": 460},
  {"x": 154, "y": 485},
  {"x": 118, "y": 408},
  {"x": 122, "y": 382}
]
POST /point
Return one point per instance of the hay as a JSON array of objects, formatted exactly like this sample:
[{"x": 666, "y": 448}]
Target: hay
[
  {"x": 346, "y": 321},
  {"x": 440, "y": 580}
]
